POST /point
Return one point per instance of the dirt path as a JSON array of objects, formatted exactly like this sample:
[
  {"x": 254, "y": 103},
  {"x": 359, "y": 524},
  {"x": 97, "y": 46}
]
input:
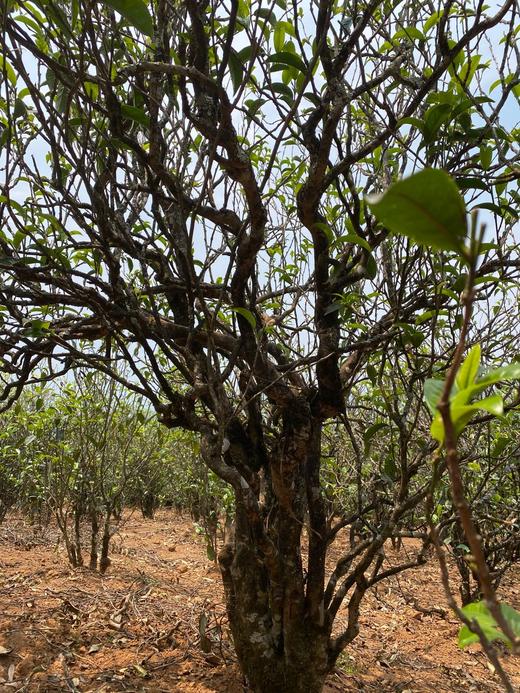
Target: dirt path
[{"x": 139, "y": 627}]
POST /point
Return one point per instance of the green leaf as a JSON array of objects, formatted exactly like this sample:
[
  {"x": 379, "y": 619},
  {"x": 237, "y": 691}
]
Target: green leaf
[
  {"x": 253, "y": 106},
  {"x": 62, "y": 99},
  {"x": 325, "y": 228},
  {"x": 5, "y": 136},
  {"x": 136, "y": 114},
  {"x": 437, "y": 428},
  {"x": 57, "y": 17},
  {"x": 390, "y": 468},
  {"x": 434, "y": 118},
  {"x": 493, "y": 377},
  {"x": 244, "y": 9},
  {"x": 210, "y": 551},
  {"x": 91, "y": 90},
  {"x": 462, "y": 415},
  {"x": 512, "y": 616},
  {"x": 20, "y": 109},
  {"x": 432, "y": 21},
  {"x": 285, "y": 91},
  {"x": 470, "y": 183},
  {"x": 236, "y": 69},
  {"x": 267, "y": 14},
  {"x": 245, "y": 54},
  {"x": 498, "y": 375},
  {"x": 432, "y": 393},
  {"x": 371, "y": 267},
  {"x": 428, "y": 315},
  {"x": 467, "y": 71},
  {"x": 36, "y": 328},
  {"x": 468, "y": 371},
  {"x": 356, "y": 240},
  {"x": 414, "y": 122},
  {"x": 426, "y": 207},
  {"x": 494, "y": 404},
  {"x": 286, "y": 58},
  {"x": 372, "y": 373},
  {"x": 7, "y": 68},
  {"x": 500, "y": 445},
  {"x": 409, "y": 32},
  {"x": 414, "y": 337},
  {"x": 478, "y": 611},
  {"x": 486, "y": 156},
  {"x": 496, "y": 209},
  {"x": 135, "y": 12},
  {"x": 370, "y": 433},
  {"x": 74, "y": 13},
  {"x": 279, "y": 36},
  {"x": 247, "y": 314}
]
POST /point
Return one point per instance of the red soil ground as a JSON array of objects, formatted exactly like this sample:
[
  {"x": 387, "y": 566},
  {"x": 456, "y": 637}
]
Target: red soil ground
[{"x": 137, "y": 627}]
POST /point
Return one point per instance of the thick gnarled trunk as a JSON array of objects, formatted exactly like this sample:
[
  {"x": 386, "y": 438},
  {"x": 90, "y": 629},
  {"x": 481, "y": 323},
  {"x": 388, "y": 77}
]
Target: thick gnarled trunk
[
  {"x": 280, "y": 633},
  {"x": 276, "y": 606},
  {"x": 285, "y": 652}
]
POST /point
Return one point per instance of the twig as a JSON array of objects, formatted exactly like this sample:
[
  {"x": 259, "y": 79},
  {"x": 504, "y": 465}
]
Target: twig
[{"x": 457, "y": 486}]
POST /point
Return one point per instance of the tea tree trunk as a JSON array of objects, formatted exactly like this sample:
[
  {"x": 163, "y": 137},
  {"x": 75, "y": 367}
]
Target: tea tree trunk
[{"x": 275, "y": 604}]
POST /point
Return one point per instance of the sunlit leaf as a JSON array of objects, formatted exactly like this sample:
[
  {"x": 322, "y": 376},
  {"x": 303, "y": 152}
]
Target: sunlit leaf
[
  {"x": 462, "y": 415},
  {"x": 497, "y": 375},
  {"x": 479, "y": 612},
  {"x": 467, "y": 373},
  {"x": 279, "y": 36},
  {"x": 427, "y": 207}
]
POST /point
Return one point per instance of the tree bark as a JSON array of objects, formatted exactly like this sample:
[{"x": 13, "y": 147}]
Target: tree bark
[
  {"x": 148, "y": 505},
  {"x": 280, "y": 632},
  {"x": 77, "y": 536},
  {"x": 94, "y": 540},
  {"x": 104, "y": 560},
  {"x": 283, "y": 652}
]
